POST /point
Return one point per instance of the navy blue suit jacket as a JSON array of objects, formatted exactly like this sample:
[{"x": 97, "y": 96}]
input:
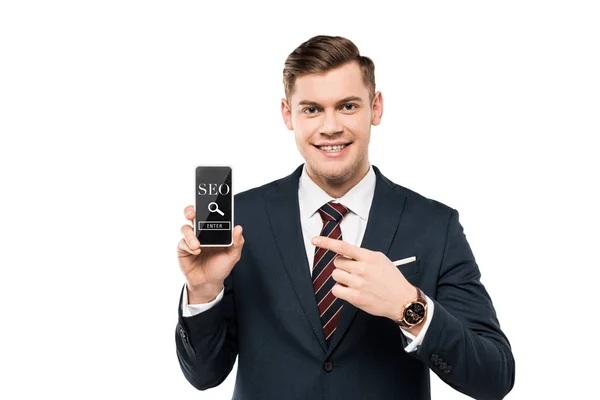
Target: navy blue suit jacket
[{"x": 268, "y": 317}]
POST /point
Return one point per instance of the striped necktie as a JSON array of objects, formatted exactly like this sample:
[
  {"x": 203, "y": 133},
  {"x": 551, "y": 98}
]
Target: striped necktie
[{"x": 329, "y": 305}]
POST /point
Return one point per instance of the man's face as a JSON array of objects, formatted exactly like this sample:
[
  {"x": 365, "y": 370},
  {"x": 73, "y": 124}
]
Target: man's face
[{"x": 333, "y": 108}]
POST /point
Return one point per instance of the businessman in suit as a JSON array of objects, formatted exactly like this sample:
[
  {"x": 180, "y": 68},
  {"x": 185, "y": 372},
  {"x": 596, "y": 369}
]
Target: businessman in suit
[{"x": 343, "y": 284}]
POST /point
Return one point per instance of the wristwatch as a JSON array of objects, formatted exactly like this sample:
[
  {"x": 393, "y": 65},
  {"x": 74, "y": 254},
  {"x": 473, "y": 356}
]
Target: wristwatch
[{"x": 414, "y": 311}]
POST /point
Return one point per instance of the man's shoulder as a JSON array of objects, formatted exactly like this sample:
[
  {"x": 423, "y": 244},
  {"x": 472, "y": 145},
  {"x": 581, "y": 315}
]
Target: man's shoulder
[
  {"x": 256, "y": 193},
  {"x": 420, "y": 200},
  {"x": 420, "y": 204}
]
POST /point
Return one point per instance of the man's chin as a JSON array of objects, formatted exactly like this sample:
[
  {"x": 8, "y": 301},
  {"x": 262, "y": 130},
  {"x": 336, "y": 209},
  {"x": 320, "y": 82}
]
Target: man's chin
[{"x": 331, "y": 172}]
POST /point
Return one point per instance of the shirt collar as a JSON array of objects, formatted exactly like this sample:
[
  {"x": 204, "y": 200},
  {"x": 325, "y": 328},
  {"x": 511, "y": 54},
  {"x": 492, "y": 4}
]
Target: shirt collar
[{"x": 358, "y": 199}]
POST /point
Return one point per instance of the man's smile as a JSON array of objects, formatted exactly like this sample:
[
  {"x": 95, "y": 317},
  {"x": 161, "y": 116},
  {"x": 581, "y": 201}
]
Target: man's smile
[{"x": 334, "y": 148}]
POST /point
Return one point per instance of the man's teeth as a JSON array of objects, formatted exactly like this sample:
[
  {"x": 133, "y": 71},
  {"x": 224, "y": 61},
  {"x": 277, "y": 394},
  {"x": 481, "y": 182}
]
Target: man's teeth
[{"x": 332, "y": 148}]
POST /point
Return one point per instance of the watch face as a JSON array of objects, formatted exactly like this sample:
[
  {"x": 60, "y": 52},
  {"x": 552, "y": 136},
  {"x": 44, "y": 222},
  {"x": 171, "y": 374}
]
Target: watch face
[{"x": 414, "y": 313}]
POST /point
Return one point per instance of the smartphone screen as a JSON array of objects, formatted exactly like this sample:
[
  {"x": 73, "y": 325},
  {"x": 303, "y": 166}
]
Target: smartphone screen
[{"x": 214, "y": 206}]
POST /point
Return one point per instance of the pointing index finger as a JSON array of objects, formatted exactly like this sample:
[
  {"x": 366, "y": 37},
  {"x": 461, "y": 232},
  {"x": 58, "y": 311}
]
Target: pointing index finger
[{"x": 340, "y": 247}]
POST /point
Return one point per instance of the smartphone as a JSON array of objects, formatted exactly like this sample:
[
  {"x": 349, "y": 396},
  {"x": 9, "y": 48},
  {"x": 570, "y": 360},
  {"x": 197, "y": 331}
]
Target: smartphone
[{"x": 214, "y": 206}]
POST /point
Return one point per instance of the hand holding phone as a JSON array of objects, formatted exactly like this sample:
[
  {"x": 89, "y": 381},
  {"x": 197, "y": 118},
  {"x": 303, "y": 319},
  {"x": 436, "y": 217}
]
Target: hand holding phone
[{"x": 206, "y": 266}]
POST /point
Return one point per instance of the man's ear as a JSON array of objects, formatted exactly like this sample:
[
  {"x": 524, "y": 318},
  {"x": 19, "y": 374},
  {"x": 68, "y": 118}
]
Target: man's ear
[
  {"x": 377, "y": 108},
  {"x": 286, "y": 113}
]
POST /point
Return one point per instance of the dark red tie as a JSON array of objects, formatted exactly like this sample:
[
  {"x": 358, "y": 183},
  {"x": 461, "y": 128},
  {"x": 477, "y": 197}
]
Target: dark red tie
[{"x": 330, "y": 306}]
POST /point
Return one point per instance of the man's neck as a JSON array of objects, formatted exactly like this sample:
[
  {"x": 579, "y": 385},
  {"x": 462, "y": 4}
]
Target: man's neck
[{"x": 339, "y": 187}]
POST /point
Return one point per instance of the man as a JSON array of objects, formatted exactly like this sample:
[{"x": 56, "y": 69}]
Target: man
[{"x": 363, "y": 316}]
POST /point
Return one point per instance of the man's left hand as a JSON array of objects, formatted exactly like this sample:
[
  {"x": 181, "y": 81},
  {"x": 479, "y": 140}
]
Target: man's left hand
[{"x": 368, "y": 279}]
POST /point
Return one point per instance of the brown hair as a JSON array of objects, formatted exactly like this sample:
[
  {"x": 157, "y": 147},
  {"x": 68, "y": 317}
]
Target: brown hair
[{"x": 321, "y": 54}]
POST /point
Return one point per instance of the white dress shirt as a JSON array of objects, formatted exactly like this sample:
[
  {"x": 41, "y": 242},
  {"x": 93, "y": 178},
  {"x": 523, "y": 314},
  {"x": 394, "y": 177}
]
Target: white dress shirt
[{"x": 311, "y": 197}]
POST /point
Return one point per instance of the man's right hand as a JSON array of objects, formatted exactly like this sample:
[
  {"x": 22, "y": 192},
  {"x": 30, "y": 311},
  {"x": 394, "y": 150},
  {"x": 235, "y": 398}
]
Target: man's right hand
[{"x": 205, "y": 269}]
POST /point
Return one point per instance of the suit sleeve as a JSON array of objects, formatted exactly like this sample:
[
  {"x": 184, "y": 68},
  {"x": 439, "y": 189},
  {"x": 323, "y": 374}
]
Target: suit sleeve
[
  {"x": 464, "y": 344},
  {"x": 206, "y": 343}
]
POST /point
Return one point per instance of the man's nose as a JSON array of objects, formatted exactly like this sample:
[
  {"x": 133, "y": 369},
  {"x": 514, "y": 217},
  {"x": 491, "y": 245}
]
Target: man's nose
[{"x": 331, "y": 125}]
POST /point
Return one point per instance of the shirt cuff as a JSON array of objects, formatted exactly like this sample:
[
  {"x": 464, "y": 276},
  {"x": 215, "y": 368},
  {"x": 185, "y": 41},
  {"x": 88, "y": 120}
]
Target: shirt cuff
[
  {"x": 189, "y": 310},
  {"x": 415, "y": 342}
]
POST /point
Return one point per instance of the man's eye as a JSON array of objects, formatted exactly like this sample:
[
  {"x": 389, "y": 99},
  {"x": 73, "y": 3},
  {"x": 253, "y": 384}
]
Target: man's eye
[
  {"x": 352, "y": 107},
  {"x": 311, "y": 110}
]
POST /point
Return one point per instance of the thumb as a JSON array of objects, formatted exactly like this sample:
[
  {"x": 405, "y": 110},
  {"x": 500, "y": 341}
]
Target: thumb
[{"x": 238, "y": 238}]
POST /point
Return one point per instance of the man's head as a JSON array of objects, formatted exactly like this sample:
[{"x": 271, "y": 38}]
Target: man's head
[{"x": 331, "y": 99}]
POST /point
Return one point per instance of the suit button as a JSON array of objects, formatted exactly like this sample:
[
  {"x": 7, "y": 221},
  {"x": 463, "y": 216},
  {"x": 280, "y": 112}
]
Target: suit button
[
  {"x": 447, "y": 370},
  {"x": 443, "y": 365},
  {"x": 328, "y": 366},
  {"x": 182, "y": 334},
  {"x": 434, "y": 357}
]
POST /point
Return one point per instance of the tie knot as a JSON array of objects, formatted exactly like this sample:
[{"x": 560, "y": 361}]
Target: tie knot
[{"x": 332, "y": 211}]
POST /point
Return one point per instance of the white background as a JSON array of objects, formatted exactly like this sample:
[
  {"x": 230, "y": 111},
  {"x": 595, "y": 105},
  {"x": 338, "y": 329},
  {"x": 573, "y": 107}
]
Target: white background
[{"x": 107, "y": 107}]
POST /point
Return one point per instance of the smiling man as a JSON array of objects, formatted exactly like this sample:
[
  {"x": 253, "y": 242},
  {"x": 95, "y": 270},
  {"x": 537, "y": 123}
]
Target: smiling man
[
  {"x": 344, "y": 285},
  {"x": 331, "y": 115}
]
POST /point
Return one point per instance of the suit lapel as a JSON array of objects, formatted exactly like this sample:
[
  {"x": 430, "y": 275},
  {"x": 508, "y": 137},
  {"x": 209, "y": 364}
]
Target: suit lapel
[{"x": 284, "y": 217}]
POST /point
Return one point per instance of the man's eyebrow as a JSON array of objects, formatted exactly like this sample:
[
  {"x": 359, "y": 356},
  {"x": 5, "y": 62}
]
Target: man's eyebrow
[{"x": 339, "y": 103}]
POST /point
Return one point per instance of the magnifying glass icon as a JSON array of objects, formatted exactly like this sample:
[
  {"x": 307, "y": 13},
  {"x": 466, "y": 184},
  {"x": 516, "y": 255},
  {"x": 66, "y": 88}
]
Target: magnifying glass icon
[{"x": 216, "y": 208}]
